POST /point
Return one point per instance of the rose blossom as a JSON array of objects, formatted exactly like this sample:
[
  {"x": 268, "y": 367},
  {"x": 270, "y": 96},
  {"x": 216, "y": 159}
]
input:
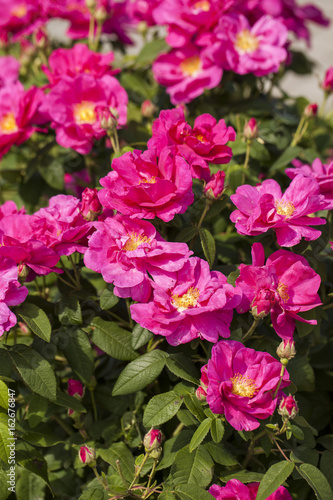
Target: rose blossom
[
  {"x": 79, "y": 59},
  {"x": 257, "y": 49},
  {"x": 320, "y": 172},
  {"x": 152, "y": 440},
  {"x": 21, "y": 17},
  {"x": 75, "y": 389},
  {"x": 199, "y": 303},
  {"x": 9, "y": 70},
  {"x": 11, "y": 293},
  {"x": 241, "y": 384},
  {"x": 283, "y": 287},
  {"x": 263, "y": 207},
  {"x": 186, "y": 72},
  {"x": 9, "y": 208},
  {"x": 327, "y": 84},
  {"x": 235, "y": 490},
  {"x": 75, "y": 106},
  {"x": 144, "y": 186},
  {"x": 18, "y": 114},
  {"x": 123, "y": 250}
]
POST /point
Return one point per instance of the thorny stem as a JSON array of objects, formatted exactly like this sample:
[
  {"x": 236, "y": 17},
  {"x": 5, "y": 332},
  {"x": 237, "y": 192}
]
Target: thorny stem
[
  {"x": 250, "y": 451},
  {"x": 99, "y": 478},
  {"x": 137, "y": 474},
  {"x": 247, "y": 154},
  {"x": 283, "y": 368},
  {"x": 299, "y": 131},
  {"x": 150, "y": 478},
  {"x": 129, "y": 314},
  {"x": 120, "y": 472},
  {"x": 251, "y": 329},
  {"x": 62, "y": 424},
  {"x": 280, "y": 450},
  {"x": 93, "y": 402}
]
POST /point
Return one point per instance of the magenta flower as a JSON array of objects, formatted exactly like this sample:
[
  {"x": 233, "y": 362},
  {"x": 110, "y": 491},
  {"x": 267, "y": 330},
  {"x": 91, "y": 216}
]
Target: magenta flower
[
  {"x": 327, "y": 83},
  {"x": 186, "y": 73},
  {"x": 21, "y": 17},
  {"x": 76, "y": 105},
  {"x": 152, "y": 440},
  {"x": 235, "y": 490},
  {"x": 214, "y": 188},
  {"x": 205, "y": 142},
  {"x": 75, "y": 388},
  {"x": 9, "y": 208},
  {"x": 251, "y": 129},
  {"x": 124, "y": 250},
  {"x": 259, "y": 49},
  {"x": 87, "y": 456},
  {"x": 76, "y": 182},
  {"x": 288, "y": 407},
  {"x": 241, "y": 384},
  {"x": 90, "y": 206},
  {"x": 320, "y": 172},
  {"x": 18, "y": 114},
  {"x": 283, "y": 287},
  {"x": 11, "y": 293},
  {"x": 142, "y": 10},
  {"x": 263, "y": 207},
  {"x": 61, "y": 226},
  {"x": 79, "y": 59},
  {"x": 9, "y": 70},
  {"x": 199, "y": 304},
  {"x": 144, "y": 186}
]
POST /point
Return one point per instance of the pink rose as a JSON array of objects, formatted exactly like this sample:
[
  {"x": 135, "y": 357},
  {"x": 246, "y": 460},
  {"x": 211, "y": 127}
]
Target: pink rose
[
  {"x": 251, "y": 129},
  {"x": 11, "y": 293},
  {"x": 327, "y": 84},
  {"x": 241, "y": 384},
  {"x": 288, "y": 407},
  {"x": 235, "y": 490},
  {"x": 9, "y": 70},
  {"x": 214, "y": 188},
  {"x": 75, "y": 388},
  {"x": 90, "y": 205},
  {"x": 21, "y": 17}
]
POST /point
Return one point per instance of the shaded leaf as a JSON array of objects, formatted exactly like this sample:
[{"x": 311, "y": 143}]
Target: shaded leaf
[
  {"x": 113, "y": 340},
  {"x": 36, "y": 320},
  {"x": 161, "y": 408},
  {"x": 273, "y": 478}
]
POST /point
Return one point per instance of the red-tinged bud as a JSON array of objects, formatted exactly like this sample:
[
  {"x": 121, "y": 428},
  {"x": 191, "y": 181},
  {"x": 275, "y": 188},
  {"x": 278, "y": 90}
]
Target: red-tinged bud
[
  {"x": 250, "y": 131},
  {"x": 327, "y": 84},
  {"x": 90, "y": 206},
  {"x": 311, "y": 110},
  {"x": 23, "y": 327},
  {"x": 259, "y": 315},
  {"x": 23, "y": 271},
  {"x": 87, "y": 456},
  {"x": 148, "y": 109},
  {"x": 75, "y": 389},
  {"x": 201, "y": 394},
  {"x": 286, "y": 350},
  {"x": 101, "y": 15},
  {"x": 40, "y": 38},
  {"x": 288, "y": 407},
  {"x": 152, "y": 440},
  {"x": 107, "y": 119},
  {"x": 214, "y": 188}
]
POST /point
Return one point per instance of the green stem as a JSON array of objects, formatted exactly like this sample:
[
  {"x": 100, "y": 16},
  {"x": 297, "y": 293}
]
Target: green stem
[
  {"x": 91, "y": 31},
  {"x": 98, "y": 34},
  {"x": 137, "y": 474},
  {"x": 283, "y": 369},
  {"x": 297, "y": 135},
  {"x": 321, "y": 111},
  {"x": 129, "y": 314},
  {"x": 247, "y": 153},
  {"x": 178, "y": 429},
  {"x": 203, "y": 215},
  {"x": 76, "y": 273},
  {"x": 93, "y": 402},
  {"x": 100, "y": 479},
  {"x": 62, "y": 424},
  {"x": 150, "y": 478},
  {"x": 251, "y": 447},
  {"x": 120, "y": 472},
  {"x": 251, "y": 329}
]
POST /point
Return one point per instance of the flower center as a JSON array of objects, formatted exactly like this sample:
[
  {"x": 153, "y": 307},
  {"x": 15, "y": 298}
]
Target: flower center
[
  {"x": 189, "y": 299},
  {"x": 201, "y": 138},
  {"x": 134, "y": 241},
  {"x": 8, "y": 124},
  {"x": 191, "y": 66},
  {"x": 284, "y": 208},
  {"x": 202, "y": 5},
  {"x": 19, "y": 11},
  {"x": 152, "y": 180},
  {"x": 84, "y": 112},
  {"x": 246, "y": 42},
  {"x": 243, "y": 386},
  {"x": 282, "y": 290}
]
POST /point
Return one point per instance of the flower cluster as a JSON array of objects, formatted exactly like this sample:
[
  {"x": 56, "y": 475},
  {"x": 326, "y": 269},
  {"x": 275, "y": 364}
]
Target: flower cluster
[{"x": 235, "y": 490}]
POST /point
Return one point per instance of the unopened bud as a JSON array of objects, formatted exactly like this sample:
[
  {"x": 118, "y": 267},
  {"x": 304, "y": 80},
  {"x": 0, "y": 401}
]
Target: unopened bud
[
  {"x": 101, "y": 15},
  {"x": 259, "y": 315},
  {"x": 327, "y": 84},
  {"x": 90, "y": 4},
  {"x": 250, "y": 131},
  {"x": 75, "y": 389},
  {"x": 288, "y": 407},
  {"x": 90, "y": 206},
  {"x": 201, "y": 394},
  {"x": 148, "y": 109},
  {"x": 214, "y": 188},
  {"x": 156, "y": 453},
  {"x": 310, "y": 110},
  {"x": 286, "y": 350},
  {"x": 23, "y": 271},
  {"x": 87, "y": 456},
  {"x": 152, "y": 440}
]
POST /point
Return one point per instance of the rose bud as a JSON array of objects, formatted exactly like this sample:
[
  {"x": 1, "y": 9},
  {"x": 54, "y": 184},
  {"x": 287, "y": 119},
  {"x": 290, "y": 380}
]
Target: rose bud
[
  {"x": 214, "y": 188},
  {"x": 75, "y": 389},
  {"x": 156, "y": 453},
  {"x": 286, "y": 350},
  {"x": 327, "y": 84},
  {"x": 288, "y": 407},
  {"x": 250, "y": 131},
  {"x": 90, "y": 206},
  {"x": 87, "y": 456},
  {"x": 152, "y": 440},
  {"x": 148, "y": 109},
  {"x": 310, "y": 110},
  {"x": 201, "y": 394}
]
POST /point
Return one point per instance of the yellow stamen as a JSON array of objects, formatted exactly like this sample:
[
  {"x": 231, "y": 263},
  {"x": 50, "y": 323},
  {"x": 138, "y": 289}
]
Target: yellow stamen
[
  {"x": 282, "y": 290},
  {"x": 189, "y": 299},
  {"x": 284, "y": 208},
  {"x": 19, "y": 11},
  {"x": 202, "y": 5},
  {"x": 246, "y": 42},
  {"x": 243, "y": 386},
  {"x": 8, "y": 124},
  {"x": 152, "y": 180},
  {"x": 134, "y": 241},
  {"x": 84, "y": 112},
  {"x": 201, "y": 138},
  {"x": 191, "y": 66}
]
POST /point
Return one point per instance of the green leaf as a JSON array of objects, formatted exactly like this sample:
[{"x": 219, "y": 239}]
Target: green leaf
[
  {"x": 150, "y": 52},
  {"x": 69, "y": 311},
  {"x": 36, "y": 410},
  {"x": 79, "y": 354},
  {"x": 42, "y": 435},
  {"x": 135, "y": 82},
  {"x": 326, "y": 466},
  {"x": 200, "y": 434},
  {"x": 94, "y": 494},
  {"x": 36, "y": 320},
  {"x": 161, "y": 408},
  {"x": 119, "y": 451},
  {"x": 317, "y": 481},
  {"x": 259, "y": 152},
  {"x": 5, "y": 439},
  {"x": 217, "y": 430},
  {"x": 194, "y": 468},
  {"x": 190, "y": 492},
  {"x": 140, "y": 372},
  {"x": 243, "y": 476},
  {"x": 113, "y": 340},
  {"x": 172, "y": 446},
  {"x": 3, "y": 395},
  {"x": 67, "y": 401},
  {"x": 208, "y": 245},
  {"x": 52, "y": 172},
  {"x": 186, "y": 418},
  {"x": 220, "y": 454},
  {"x": 302, "y": 374},
  {"x": 186, "y": 234},
  {"x": 287, "y": 156},
  {"x": 297, "y": 432},
  {"x": 36, "y": 372},
  {"x": 183, "y": 367},
  {"x": 5, "y": 363},
  {"x": 4, "y": 491},
  {"x": 140, "y": 336},
  {"x": 274, "y": 477},
  {"x": 29, "y": 486},
  {"x": 194, "y": 406},
  {"x": 108, "y": 299},
  {"x": 166, "y": 495}
]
